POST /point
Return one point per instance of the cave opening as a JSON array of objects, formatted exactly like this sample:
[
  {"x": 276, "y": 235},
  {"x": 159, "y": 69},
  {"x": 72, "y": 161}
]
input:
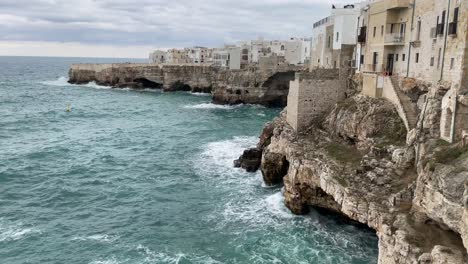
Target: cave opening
[{"x": 145, "y": 83}]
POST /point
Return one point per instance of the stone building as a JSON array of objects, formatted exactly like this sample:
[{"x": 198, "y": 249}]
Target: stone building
[
  {"x": 158, "y": 57},
  {"x": 425, "y": 40},
  {"x": 333, "y": 35}
]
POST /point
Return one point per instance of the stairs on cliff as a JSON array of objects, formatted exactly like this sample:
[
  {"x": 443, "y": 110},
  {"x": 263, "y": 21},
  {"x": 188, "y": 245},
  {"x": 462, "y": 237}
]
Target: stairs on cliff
[{"x": 409, "y": 108}]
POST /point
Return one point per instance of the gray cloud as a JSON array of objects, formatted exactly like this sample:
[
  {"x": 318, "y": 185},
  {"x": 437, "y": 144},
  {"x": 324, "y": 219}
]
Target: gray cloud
[{"x": 162, "y": 23}]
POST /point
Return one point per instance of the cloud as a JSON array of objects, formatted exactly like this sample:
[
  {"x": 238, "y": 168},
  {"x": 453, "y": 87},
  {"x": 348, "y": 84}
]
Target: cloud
[{"x": 157, "y": 23}]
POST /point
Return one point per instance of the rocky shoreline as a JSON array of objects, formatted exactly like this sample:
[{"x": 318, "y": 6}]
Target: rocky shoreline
[
  {"x": 360, "y": 162},
  {"x": 268, "y": 87}
]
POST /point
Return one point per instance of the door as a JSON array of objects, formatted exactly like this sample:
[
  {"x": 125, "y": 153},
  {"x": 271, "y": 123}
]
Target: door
[{"x": 390, "y": 64}]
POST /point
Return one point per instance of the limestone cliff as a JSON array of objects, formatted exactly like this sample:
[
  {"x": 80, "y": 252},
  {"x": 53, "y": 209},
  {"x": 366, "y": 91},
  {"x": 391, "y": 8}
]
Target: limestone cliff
[
  {"x": 250, "y": 86},
  {"x": 360, "y": 162}
]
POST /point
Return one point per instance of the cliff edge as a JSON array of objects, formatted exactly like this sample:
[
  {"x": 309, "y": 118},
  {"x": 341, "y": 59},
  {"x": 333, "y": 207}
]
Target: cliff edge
[{"x": 359, "y": 161}]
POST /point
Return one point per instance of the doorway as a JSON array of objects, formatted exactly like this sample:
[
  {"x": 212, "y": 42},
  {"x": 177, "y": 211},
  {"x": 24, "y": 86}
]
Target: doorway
[{"x": 390, "y": 64}]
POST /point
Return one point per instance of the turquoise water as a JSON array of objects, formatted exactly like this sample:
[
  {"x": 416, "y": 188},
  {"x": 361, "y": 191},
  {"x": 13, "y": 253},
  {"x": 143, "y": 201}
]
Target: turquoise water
[{"x": 143, "y": 177}]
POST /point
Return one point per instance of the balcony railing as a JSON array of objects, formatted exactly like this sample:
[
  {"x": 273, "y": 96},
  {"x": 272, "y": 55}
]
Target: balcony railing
[
  {"x": 452, "y": 30},
  {"x": 394, "y": 38},
  {"x": 362, "y": 35}
]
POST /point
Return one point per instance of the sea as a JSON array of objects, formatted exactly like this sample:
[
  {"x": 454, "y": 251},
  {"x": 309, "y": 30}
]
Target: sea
[{"x": 142, "y": 176}]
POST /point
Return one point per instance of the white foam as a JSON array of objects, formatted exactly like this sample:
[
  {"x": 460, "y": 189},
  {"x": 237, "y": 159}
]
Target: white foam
[
  {"x": 275, "y": 205},
  {"x": 107, "y": 261},
  {"x": 200, "y": 94},
  {"x": 63, "y": 82},
  {"x": 223, "y": 153},
  {"x": 11, "y": 232},
  {"x": 211, "y": 106},
  {"x": 98, "y": 237}
]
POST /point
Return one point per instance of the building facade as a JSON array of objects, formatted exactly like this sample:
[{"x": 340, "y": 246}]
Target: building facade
[
  {"x": 425, "y": 40},
  {"x": 335, "y": 36},
  {"x": 228, "y": 57},
  {"x": 158, "y": 57}
]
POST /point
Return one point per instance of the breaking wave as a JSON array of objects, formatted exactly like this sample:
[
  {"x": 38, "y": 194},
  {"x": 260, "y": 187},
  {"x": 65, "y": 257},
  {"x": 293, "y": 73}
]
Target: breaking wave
[
  {"x": 99, "y": 238},
  {"x": 63, "y": 82},
  {"x": 211, "y": 106},
  {"x": 11, "y": 232}
]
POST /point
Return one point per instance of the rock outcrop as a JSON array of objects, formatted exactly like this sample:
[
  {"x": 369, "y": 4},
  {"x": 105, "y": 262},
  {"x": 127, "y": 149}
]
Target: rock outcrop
[
  {"x": 361, "y": 162},
  {"x": 267, "y": 87}
]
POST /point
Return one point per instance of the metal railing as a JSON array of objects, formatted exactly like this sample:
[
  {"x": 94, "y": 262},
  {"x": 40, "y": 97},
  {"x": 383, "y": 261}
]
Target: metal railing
[{"x": 395, "y": 38}]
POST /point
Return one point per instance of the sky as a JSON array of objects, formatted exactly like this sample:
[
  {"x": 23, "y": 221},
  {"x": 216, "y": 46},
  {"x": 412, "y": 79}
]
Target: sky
[{"x": 132, "y": 28}]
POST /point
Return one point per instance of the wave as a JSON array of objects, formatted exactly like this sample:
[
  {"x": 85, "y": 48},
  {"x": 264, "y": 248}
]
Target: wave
[
  {"x": 223, "y": 153},
  {"x": 212, "y": 106},
  {"x": 107, "y": 261},
  {"x": 99, "y": 238},
  {"x": 161, "y": 257},
  {"x": 11, "y": 232},
  {"x": 199, "y": 94},
  {"x": 63, "y": 82}
]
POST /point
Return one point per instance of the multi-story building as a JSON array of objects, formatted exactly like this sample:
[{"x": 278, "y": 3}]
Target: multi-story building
[
  {"x": 228, "y": 57},
  {"x": 178, "y": 56},
  {"x": 297, "y": 51},
  {"x": 334, "y": 37},
  {"x": 158, "y": 57},
  {"x": 200, "y": 55},
  {"x": 425, "y": 40}
]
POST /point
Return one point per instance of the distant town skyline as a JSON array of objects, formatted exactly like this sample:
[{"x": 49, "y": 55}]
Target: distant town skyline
[{"x": 131, "y": 29}]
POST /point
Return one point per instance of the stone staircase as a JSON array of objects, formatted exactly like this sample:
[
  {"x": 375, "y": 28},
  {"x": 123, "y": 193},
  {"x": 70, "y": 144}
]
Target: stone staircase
[{"x": 409, "y": 108}]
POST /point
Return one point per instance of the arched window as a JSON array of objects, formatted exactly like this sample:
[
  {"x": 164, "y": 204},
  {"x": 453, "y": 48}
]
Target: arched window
[{"x": 282, "y": 47}]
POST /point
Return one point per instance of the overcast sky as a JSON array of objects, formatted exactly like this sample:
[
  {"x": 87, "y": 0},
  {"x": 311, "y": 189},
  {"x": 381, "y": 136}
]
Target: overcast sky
[{"x": 132, "y": 28}]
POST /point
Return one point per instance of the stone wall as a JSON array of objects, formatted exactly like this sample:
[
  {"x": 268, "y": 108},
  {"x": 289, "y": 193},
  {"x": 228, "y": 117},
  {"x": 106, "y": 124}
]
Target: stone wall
[
  {"x": 313, "y": 94},
  {"x": 252, "y": 85}
]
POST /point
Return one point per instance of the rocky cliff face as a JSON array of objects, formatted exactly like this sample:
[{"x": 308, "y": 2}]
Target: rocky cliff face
[
  {"x": 250, "y": 86},
  {"x": 361, "y": 163}
]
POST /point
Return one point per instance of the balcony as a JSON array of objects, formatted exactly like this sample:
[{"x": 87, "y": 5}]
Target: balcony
[
  {"x": 394, "y": 39},
  {"x": 452, "y": 30},
  {"x": 396, "y": 4},
  {"x": 362, "y": 35}
]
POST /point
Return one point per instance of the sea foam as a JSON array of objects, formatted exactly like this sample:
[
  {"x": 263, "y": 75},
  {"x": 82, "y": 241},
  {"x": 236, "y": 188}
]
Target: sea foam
[
  {"x": 212, "y": 106},
  {"x": 11, "y": 232}
]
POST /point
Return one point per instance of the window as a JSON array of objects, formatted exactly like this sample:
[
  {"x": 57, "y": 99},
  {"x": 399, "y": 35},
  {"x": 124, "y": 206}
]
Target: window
[
  {"x": 403, "y": 57},
  {"x": 337, "y": 36},
  {"x": 362, "y": 59},
  {"x": 282, "y": 47},
  {"x": 375, "y": 30},
  {"x": 391, "y": 28},
  {"x": 452, "y": 63},
  {"x": 375, "y": 58},
  {"x": 432, "y": 61},
  {"x": 417, "y": 57},
  {"x": 381, "y": 30},
  {"x": 455, "y": 14},
  {"x": 329, "y": 42},
  {"x": 396, "y": 57},
  {"x": 418, "y": 33},
  {"x": 438, "y": 58}
]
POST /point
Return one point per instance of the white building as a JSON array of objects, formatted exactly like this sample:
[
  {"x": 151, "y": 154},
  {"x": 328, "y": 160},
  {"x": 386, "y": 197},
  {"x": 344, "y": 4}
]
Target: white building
[
  {"x": 200, "y": 55},
  {"x": 158, "y": 57},
  {"x": 297, "y": 51},
  {"x": 228, "y": 57},
  {"x": 334, "y": 37}
]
